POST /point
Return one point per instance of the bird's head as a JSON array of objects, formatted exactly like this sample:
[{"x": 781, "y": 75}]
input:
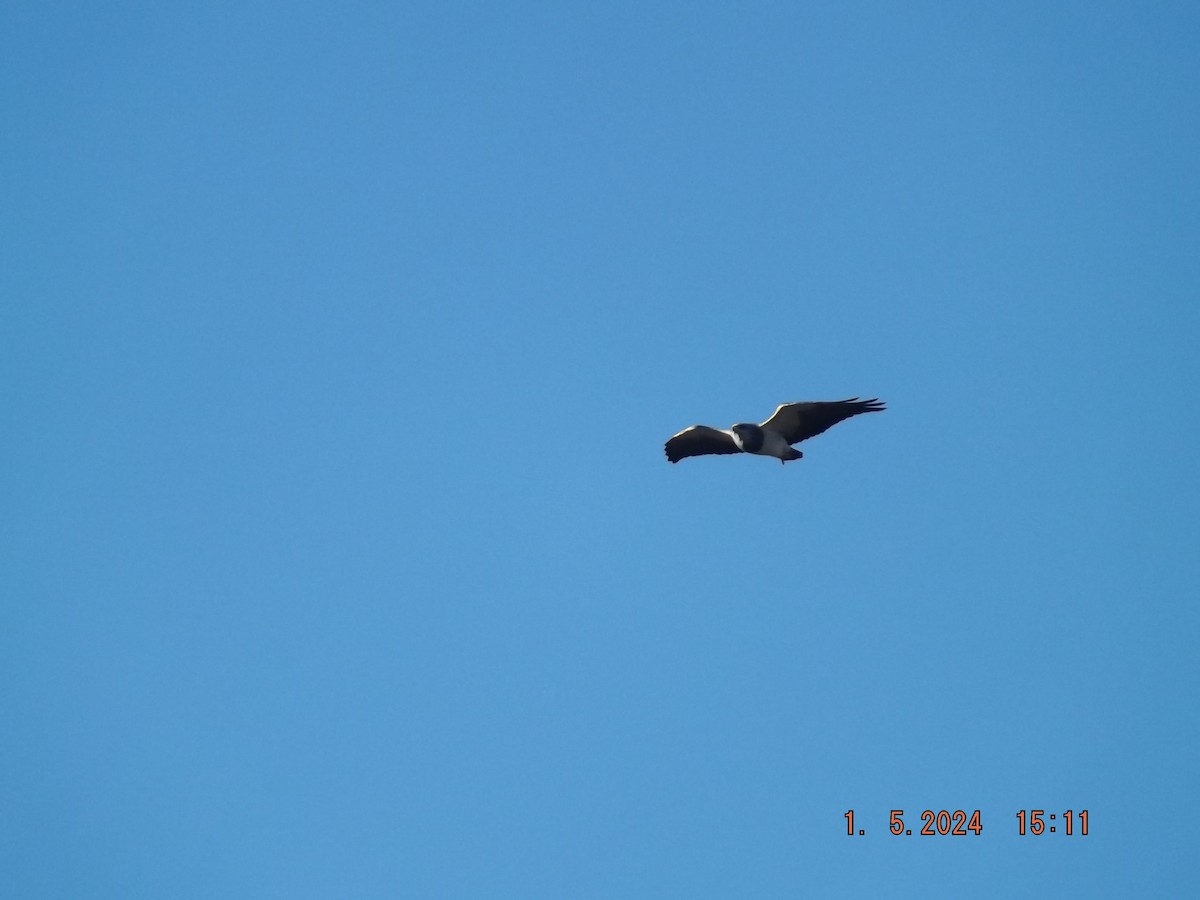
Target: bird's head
[{"x": 748, "y": 436}]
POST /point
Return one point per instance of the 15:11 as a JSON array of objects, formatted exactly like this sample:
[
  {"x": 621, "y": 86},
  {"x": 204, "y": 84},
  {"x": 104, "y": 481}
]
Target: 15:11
[{"x": 1031, "y": 821}]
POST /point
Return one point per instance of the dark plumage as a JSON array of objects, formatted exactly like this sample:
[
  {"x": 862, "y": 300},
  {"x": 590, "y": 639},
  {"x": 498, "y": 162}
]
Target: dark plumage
[{"x": 790, "y": 424}]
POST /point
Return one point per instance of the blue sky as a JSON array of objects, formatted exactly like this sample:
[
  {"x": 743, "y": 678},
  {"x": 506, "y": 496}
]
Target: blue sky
[{"x": 339, "y": 344}]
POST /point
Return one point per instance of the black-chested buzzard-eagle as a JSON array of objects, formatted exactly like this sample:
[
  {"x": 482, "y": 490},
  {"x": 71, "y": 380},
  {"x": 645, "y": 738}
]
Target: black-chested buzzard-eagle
[{"x": 790, "y": 424}]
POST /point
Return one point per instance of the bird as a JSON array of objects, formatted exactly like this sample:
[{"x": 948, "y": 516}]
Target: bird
[{"x": 790, "y": 424}]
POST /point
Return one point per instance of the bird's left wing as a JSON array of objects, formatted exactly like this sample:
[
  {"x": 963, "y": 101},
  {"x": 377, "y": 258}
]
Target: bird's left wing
[
  {"x": 700, "y": 440},
  {"x": 800, "y": 421}
]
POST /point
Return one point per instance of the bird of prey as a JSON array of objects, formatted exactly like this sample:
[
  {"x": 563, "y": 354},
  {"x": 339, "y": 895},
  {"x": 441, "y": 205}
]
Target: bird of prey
[{"x": 790, "y": 424}]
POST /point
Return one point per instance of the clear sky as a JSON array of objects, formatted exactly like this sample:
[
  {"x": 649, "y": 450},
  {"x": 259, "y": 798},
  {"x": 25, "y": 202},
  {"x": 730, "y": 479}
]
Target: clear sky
[{"x": 338, "y": 345}]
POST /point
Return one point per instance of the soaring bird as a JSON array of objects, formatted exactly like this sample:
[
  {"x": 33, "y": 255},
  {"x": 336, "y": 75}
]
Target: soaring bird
[{"x": 790, "y": 424}]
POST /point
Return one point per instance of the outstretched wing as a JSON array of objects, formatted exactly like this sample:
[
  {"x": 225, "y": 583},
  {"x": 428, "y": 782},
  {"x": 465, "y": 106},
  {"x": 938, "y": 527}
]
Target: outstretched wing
[
  {"x": 800, "y": 421},
  {"x": 700, "y": 440}
]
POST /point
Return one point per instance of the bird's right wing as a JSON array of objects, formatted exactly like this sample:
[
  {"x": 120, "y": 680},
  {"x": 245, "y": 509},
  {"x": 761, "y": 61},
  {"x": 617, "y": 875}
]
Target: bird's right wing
[
  {"x": 799, "y": 421},
  {"x": 700, "y": 440}
]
